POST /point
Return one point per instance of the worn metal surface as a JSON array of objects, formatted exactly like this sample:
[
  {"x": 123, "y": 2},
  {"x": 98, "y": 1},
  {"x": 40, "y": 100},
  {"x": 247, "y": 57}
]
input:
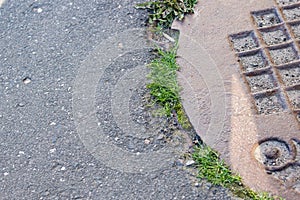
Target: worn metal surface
[{"x": 240, "y": 76}]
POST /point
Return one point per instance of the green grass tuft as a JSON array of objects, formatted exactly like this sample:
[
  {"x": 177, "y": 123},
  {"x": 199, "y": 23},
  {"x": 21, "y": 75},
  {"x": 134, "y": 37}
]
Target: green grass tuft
[
  {"x": 164, "y": 12},
  {"x": 214, "y": 170},
  {"x": 164, "y": 87}
]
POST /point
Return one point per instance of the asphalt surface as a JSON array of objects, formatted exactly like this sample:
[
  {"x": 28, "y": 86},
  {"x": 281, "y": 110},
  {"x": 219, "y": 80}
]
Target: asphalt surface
[{"x": 65, "y": 67}]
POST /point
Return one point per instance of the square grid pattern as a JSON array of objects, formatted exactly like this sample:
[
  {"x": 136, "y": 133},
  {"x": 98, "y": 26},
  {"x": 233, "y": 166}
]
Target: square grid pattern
[{"x": 269, "y": 57}]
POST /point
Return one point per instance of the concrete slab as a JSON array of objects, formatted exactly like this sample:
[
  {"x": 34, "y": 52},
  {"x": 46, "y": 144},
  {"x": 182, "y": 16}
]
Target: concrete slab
[{"x": 240, "y": 73}]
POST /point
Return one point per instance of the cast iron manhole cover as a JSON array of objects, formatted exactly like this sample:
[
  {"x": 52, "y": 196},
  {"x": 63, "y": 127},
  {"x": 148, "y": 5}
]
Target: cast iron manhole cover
[{"x": 241, "y": 78}]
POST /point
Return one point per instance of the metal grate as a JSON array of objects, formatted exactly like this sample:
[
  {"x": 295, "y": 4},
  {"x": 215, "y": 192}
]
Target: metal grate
[{"x": 269, "y": 58}]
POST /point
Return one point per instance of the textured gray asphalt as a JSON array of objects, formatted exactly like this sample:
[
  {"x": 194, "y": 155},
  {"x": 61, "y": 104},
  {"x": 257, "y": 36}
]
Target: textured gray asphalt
[{"x": 43, "y": 46}]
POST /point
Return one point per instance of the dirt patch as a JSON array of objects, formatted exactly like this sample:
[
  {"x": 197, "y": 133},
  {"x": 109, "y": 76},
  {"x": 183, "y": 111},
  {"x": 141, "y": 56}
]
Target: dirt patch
[
  {"x": 253, "y": 61},
  {"x": 294, "y": 97},
  {"x": 261, "y": 82},
  {"x": 283, "y": 55},
  {"x": 286, "y": 2},
  {"x": 275, "y": 35},
  {"x": 244, "y": 41},
  {"x": 266, "y": 18},
  {"x": 269, "y": 103},
  {"x": 292, "y": 13},
  {"x": 291, "y": 75},
  {"x": 296, "y": 30}
]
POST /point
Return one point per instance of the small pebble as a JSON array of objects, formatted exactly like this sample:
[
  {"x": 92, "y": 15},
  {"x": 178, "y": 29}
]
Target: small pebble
[
  {"x": 21, "y": 104},
  {"x": 160, "y": 137},
  {"x": 39, "y": 10},
  {"x": 178, "y": 163},
  {"x": 189, "y": 163},
  {"x": 52, "y": 150},
  {"x": 120, "y": 45},
  {"x": 52, "y": 123},
  {"x": 147, "y": 141}
]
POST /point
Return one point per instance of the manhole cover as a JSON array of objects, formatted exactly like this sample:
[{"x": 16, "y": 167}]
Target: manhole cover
[{"x": 240, "y": 71}]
